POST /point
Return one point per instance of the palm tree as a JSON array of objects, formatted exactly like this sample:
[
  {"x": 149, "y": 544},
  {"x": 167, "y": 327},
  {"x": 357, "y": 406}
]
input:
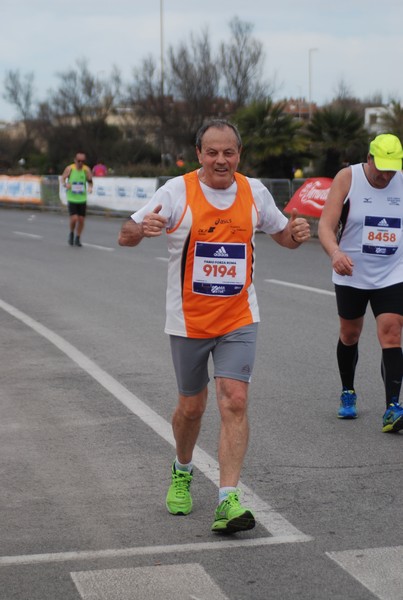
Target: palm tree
[
  {"x": 338, "y": 137},
  {"x": 392, "y": 119},
  {"x": 272, "y": 139}
]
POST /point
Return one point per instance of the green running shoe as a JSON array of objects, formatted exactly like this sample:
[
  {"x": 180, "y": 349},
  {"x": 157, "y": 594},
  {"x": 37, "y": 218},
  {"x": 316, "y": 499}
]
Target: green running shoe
[
  {"x": 178, "y": 500},
  {"x": 393, "y": 418},
  {"x": 231, "y": 516}
]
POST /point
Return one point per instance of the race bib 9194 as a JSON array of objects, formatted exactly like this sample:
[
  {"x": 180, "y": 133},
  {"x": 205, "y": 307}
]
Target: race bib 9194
[{"x": 219, "y": 269}]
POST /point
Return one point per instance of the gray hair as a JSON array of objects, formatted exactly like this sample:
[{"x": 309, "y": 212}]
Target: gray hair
[{"x": 218, "y": 124}]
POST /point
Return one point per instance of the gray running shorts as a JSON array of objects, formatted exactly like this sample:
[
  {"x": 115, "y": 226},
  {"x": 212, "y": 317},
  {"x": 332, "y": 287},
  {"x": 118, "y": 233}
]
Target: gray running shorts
[{"x": 233, "y": 356}]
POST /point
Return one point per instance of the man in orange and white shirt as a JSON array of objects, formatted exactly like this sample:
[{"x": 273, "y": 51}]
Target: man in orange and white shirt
[{"x": 210, "y": 217}]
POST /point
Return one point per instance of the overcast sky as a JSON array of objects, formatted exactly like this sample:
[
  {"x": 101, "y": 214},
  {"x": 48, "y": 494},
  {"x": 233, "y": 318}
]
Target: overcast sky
[{"x": 358, "y": 42}]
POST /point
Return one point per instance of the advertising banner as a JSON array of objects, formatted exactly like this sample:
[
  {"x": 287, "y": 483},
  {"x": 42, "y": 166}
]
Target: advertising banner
[
  {"x": 118, "y": 193},
  {"x": 23, "y": 188},
  {"x": 310, "y": 198}
]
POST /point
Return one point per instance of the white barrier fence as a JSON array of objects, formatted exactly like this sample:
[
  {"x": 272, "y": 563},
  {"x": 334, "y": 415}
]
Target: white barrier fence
[{"x": 118, "y": 193}]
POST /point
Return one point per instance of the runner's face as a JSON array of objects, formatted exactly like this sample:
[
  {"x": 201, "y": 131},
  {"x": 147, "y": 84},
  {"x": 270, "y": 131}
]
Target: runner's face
[
  {"x": 219, "y": 157},
  {"x": 79, "y": 160},
  {"x": 378, "y": 179}
]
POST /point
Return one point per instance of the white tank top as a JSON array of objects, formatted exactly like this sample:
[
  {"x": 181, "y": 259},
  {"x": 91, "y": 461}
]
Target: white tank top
[{"x": 371, "y": 232}]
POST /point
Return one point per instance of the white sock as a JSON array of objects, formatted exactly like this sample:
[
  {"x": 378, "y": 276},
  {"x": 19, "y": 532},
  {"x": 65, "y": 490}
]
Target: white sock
[
  {"x": 180, "y": 467},
  {"x": 223, "y": 493}
]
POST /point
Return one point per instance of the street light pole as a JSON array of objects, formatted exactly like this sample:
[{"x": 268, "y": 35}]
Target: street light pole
[
  {"x": 162, "y": 45},
  {"x": 311, "y": 50},
  {"x": 162, "y": 80}
]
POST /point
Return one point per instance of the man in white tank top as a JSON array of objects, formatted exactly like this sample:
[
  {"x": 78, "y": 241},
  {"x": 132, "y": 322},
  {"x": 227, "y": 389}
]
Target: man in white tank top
[{"x": 361, "y": 229}]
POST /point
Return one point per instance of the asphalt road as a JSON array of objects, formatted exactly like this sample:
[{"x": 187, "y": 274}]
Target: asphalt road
[{"x": 86, "y": 396}]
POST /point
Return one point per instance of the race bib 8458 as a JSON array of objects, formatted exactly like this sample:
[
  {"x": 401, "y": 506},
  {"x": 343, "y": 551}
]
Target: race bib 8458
[{"x": 381, "y": 235}]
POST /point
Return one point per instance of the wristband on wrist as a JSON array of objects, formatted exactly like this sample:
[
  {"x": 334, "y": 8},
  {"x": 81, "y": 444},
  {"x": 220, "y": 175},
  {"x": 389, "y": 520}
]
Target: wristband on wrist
[{"x": 334, "y": 252}]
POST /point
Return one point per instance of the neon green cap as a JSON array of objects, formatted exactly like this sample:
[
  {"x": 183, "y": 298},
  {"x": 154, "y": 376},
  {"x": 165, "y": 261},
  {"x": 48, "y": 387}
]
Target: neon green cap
[{"x": 387, "y": 152}]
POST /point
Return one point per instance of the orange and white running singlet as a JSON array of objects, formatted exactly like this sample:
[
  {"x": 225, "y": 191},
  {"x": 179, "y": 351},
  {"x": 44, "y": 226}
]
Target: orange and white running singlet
[{"x": 210, "y": 284}]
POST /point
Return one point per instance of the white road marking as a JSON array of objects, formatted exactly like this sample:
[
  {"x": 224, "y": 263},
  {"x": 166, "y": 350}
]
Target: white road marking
[
  {"x": 107, "y": 248},
  {"x": 30, "y": 235},
  {"x": 165, "y": 582},
  {"x": 219, "y": 544},
  {"x": 377, "y": 569},
  {"x": 300, "y": 287},
  {"x": 281, "y": 530},
  {"x": 40, "y": 237},
  {"x": 163, "y": 258}
]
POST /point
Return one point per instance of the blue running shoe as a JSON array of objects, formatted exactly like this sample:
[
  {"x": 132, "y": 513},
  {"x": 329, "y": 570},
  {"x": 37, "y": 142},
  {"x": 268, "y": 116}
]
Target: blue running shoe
[
  {"x": 393, "y": 418},
  {"x": 347, "y": 408}
]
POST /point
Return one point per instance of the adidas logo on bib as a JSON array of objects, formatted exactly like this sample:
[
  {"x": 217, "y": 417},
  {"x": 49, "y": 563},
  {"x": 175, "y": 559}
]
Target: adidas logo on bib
[{"x": 221, "y": 252}]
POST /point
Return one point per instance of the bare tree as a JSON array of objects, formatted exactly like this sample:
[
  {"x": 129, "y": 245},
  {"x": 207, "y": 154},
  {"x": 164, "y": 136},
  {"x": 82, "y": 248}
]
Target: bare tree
[
  {"x": 344, "y": 99},
  {"x": 343, "y": 92},
  {"x": 145, "y": 90},
  {"x": 80, "y": 106},
  {"x": 192, "y": 90},
  {"x": 190, "y": 94},
  {"x": 375, "y": 99},
  {"x": 144, "y": 96},
  {"x": 84, "y": 96},
  {"x": 241, "y": 62},
  {"x": 19, "y": 91},
  {"x": 194, "y": 80}
]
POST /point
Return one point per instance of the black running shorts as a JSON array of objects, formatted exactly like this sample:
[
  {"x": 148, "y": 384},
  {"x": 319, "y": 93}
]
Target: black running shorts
[
  {"x": 352, "y": 302},
  {"x": 77, "y": 208}
]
